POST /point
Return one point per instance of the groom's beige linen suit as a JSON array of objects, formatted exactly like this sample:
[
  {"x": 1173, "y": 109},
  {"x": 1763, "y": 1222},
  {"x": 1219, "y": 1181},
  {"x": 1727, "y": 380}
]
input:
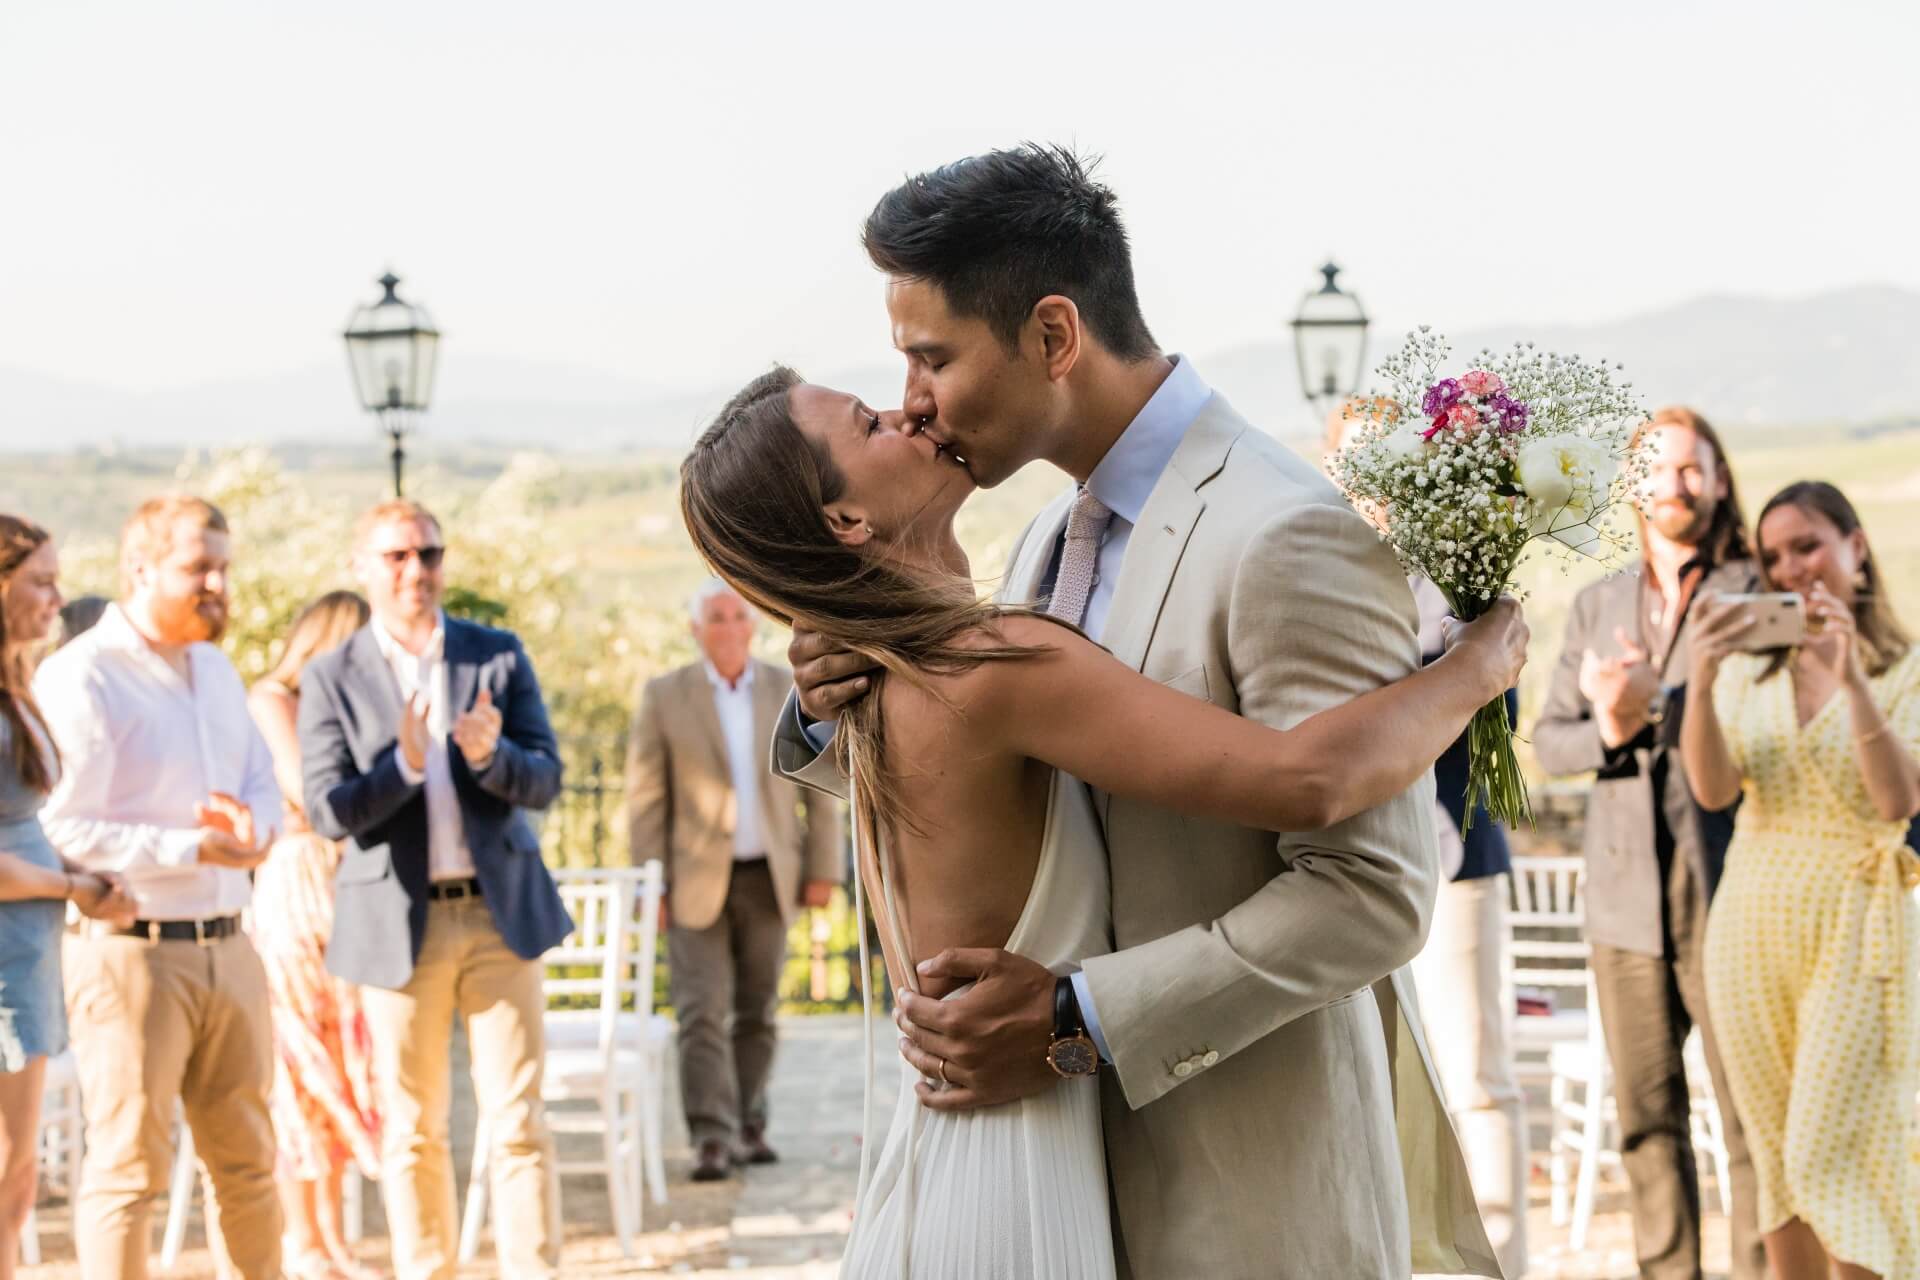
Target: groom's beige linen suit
[{"x": 1272, "y": 1109}]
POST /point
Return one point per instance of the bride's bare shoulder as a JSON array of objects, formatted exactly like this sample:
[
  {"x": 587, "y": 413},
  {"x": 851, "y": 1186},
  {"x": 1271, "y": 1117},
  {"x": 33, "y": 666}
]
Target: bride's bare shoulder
[{"x": 1016, "y": 648}]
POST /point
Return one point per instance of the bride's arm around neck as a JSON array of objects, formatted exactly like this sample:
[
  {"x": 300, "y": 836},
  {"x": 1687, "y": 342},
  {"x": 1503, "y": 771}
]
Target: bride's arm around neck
[{"x": 1079, "y": 709}]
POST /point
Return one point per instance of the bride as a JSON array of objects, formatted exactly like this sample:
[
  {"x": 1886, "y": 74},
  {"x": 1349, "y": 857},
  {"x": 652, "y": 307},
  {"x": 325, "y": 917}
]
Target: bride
[{"x": 972, "y": 826}]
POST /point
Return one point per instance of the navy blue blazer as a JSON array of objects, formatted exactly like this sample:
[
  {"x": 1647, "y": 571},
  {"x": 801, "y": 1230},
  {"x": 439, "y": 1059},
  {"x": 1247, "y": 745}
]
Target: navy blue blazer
[{"x": 349, "y": 726}]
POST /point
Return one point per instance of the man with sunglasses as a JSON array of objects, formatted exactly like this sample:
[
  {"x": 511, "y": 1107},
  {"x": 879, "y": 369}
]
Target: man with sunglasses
[{"x": 423, "y": 737}]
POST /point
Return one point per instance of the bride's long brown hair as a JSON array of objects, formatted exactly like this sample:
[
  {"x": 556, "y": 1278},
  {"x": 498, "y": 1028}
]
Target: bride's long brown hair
[
  {"x": 19, "y": 539},
  {"x": 753, "y": 493}
]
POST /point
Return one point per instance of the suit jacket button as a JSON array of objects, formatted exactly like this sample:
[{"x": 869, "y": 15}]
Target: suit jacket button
[
  {"x": 1213, "y": 1056},
  {"x": 1183, "y": 1069}
]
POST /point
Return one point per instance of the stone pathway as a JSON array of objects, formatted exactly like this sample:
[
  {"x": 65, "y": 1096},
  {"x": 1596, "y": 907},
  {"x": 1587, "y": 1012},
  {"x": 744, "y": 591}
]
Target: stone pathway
[{"x": 790, "y": 1220}]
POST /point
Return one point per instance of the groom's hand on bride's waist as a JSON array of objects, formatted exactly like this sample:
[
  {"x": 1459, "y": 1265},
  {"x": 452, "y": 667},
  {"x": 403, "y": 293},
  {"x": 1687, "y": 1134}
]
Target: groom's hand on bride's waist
[
  {"x": 992, "y": 1039},
  {"x": 826, "y": 676}
]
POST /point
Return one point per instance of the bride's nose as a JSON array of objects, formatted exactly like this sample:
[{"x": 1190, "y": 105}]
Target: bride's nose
[{"x": 894, "y": 420}]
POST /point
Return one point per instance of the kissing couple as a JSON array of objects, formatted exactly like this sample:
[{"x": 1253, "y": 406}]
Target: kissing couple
[{"x": 1148, "y": 837}]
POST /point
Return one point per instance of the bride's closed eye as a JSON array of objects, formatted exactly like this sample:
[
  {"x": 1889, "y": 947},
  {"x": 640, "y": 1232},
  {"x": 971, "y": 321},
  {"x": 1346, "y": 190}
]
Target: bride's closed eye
[{"x": 873, "y": 421}]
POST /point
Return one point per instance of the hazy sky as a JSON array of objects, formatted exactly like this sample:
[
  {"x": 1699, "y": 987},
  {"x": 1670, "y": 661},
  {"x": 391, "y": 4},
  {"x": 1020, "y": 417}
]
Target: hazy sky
[{"x": 199, "y": 191}]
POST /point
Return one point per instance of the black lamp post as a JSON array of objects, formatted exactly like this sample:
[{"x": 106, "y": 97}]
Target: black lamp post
[
  {"x": 391, "y": 345},
  {"x": 1330, "y": 342}
]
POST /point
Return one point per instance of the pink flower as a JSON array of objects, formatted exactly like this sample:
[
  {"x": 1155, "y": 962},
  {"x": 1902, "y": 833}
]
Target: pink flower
[
  {"x": 1463, "y": 417},
  {"x": 1480, "y": 384}
]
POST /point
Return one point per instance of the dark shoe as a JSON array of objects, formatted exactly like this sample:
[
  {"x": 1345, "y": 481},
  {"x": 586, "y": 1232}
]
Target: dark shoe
[
  {"x": 713, "y": 1165},
  {"x": 753, "y": 1149}
]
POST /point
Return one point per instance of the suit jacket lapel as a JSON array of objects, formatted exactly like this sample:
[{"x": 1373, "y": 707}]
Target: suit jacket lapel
[
  {"x": 377, "y": 678},
  {"x": 769, "y": 698},
  {"x": 705, "y": 717},
  {"x": 463, "y": 673},
  {"x": 1166, "y": 523},
  {"x": 1028, "y": 573}
]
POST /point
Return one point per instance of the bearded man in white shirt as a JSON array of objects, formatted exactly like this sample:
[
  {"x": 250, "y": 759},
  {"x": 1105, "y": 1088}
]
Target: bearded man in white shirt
[
  {"x": 167, "y": 783},
  {"x": 740, "y": 861},
  {"x": 423, "y": 740}
]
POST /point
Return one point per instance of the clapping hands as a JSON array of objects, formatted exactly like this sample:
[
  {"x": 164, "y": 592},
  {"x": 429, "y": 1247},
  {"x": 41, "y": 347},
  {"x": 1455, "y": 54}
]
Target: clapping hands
[
  {"x": 1620, "y": 688},
  {"x": 227, "y": 836},
  {"x": 477, "y": 732},
  {"x": 413, "y": 733}
]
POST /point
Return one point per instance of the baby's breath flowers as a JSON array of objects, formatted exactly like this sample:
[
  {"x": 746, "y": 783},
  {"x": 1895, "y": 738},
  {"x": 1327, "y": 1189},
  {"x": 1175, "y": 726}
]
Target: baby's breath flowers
[{"x": 1463, "y": 473}]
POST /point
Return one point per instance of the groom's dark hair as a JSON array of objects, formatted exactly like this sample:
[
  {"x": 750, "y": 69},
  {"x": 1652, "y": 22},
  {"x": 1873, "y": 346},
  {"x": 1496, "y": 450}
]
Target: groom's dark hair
[{"x": 998, "y": 232}]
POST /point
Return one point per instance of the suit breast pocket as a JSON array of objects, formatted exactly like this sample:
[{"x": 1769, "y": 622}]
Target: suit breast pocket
[
  {"x": 1193, "y": 682},
  {"x": 365, "y": 866}
]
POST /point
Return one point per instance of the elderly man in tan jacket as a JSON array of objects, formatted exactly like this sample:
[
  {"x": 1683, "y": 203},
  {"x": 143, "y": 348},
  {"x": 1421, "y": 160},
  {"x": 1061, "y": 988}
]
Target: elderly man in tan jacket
[{"x": 743, "y": 851}]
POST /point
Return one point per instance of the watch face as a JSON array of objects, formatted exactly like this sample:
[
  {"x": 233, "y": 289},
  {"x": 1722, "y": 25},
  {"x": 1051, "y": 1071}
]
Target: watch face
[{"x": 1074, "y": 1056}]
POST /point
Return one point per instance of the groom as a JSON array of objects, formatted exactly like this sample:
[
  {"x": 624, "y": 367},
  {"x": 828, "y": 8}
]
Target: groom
[{"x": 1252, "y": 1019}]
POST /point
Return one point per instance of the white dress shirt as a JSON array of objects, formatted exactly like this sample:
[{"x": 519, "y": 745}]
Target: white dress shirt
[
  {"x": 425, "y": 674},
  {"x": 140, "y": 747},
  {"x": 745, "y": 758}
]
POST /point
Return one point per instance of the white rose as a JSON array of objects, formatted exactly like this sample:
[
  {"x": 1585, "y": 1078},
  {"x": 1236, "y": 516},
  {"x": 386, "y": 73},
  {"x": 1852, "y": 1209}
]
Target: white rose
[
  {"x": 1543, "y": 473},
  {"x": 1568, "y": 479}
]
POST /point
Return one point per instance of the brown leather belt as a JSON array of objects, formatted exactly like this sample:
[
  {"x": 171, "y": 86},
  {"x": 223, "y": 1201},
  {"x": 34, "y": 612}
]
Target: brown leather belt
[{"x": 203, "y": 932}]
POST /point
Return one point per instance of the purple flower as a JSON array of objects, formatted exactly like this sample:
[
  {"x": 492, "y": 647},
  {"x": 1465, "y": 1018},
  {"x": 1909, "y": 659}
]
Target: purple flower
[
  {"x": 1441, "y": 396},
  {"x": 1510, "y": 414}
]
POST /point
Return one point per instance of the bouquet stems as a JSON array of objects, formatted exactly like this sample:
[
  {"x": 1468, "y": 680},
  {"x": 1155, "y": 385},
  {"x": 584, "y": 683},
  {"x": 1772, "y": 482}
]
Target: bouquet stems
[{"x": 1493, "y": 772}]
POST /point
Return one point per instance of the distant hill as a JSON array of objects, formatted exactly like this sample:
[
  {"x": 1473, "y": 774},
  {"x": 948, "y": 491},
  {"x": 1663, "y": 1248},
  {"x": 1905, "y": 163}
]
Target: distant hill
[{"x": 1846, "y": 357}]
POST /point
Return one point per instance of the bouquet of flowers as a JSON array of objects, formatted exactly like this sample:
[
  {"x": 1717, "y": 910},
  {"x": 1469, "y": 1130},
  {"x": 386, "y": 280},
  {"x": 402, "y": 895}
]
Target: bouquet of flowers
[{"x": 1462, "y": 474}]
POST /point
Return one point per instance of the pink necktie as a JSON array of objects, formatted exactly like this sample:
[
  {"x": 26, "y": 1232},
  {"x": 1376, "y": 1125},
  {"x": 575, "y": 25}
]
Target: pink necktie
[{"x": 1086, "y": 525}]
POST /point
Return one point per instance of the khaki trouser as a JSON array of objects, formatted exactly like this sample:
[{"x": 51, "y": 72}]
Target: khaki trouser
[
  {"x": 1467, "y": 1003},
  {"x": 1647, "y": 1006},
  {"x": 464, "y": 966},
  {"x": 160, "y": 1023},
  {"x": 726, "y": 988}
]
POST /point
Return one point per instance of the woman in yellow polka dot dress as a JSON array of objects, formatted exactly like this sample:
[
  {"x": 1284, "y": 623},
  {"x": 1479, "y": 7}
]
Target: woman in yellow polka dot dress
[{"x": 1813, "y": 942}]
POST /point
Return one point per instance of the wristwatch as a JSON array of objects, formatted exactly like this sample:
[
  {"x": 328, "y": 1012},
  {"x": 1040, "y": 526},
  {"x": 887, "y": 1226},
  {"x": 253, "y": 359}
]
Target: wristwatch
[
  {"x": 1657, "y": 705},
  {"x": 1072, "y": 1052}
]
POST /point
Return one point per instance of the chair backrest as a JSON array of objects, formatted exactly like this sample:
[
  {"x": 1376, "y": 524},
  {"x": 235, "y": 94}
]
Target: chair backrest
[
  {"x": 1547, "y": 922},
  {"x": 608, "y": 962},
  {"x": 583, "y": 970}
]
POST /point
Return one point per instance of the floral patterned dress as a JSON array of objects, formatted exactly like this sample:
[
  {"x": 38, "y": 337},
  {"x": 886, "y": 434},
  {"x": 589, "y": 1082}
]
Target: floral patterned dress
[
  {"x": 323, "y": 1102},
  {"x": 1812, "y": 967}
]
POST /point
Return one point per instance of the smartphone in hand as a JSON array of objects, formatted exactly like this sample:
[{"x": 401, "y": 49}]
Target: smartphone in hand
[{"x": 1779, "y": 620}]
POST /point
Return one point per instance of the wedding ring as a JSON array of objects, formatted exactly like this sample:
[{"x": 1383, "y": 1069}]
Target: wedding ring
[{"x": 943, "y": 1074}]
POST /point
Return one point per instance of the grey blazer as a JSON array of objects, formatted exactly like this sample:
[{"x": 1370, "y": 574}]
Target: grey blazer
[
  {"x": 1626, "y": 809},
  {"x": 349, "y": 726}
]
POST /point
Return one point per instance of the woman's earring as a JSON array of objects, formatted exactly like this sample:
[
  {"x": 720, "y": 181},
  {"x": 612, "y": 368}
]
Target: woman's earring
[{"x": 868, "y": 526}]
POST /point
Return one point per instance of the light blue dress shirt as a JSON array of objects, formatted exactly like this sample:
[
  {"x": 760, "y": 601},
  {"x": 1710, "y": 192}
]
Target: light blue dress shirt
[{"x": 1123, "y": 480}]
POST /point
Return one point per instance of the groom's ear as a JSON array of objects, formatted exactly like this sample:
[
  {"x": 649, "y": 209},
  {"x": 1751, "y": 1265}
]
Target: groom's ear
[
  {"x": 849, "y": 526},
  {"x": 1056, "y": 324}
]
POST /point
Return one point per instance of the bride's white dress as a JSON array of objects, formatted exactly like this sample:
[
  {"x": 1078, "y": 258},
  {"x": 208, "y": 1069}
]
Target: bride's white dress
[{"x": 1014, "y": 1192}]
